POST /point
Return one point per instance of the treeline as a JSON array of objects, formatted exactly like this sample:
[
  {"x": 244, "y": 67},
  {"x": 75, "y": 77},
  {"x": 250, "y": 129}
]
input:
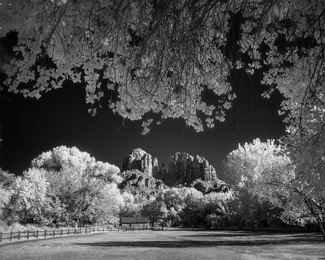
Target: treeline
[
  {"x": 67, "y": 187},
  {"x": 62, "y": 187}
]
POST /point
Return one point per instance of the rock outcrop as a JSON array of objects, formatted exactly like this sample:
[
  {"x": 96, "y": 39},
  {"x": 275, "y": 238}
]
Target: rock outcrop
[
  {"x": 139, "y": 183},
  {"x": 184, "y": 169},
  {"x": 210, "y": 186},
  {"x": 142, "y": 174},
  {"x": 142, "y": 161}
]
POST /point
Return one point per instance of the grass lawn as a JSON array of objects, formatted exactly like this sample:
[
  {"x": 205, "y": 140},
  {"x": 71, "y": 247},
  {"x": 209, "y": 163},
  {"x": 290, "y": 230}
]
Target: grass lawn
[{"x": 158, "y": 245}]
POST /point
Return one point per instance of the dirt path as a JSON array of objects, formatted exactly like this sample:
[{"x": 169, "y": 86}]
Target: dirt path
[{"x": 169, "y": 245}]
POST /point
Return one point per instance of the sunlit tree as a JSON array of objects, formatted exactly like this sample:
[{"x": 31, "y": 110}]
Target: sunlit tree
[
  {"x": 28, "y": 199},
  {"x": 245, "y": 170},
  {"x": 289, "y": 181},
  {"x": 129, "y": 208},
  {"x": 79, "y": 184},
  {"x": 245, "y": 165},
  {"x": 65, "y": 158},
  {"x": 160, "y": 56},
  {"x": 106, "y": 205}
]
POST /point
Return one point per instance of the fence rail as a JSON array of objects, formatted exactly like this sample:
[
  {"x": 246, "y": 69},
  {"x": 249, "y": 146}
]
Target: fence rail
[{"x": 32, "y": 234}]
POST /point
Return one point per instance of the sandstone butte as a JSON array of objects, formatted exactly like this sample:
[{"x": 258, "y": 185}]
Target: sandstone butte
[{"x": 140, "y": 170}]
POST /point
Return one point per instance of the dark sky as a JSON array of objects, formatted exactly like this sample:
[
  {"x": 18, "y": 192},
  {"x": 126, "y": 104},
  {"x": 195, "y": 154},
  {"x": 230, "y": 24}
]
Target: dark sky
[{"x": 30, "y": 127}]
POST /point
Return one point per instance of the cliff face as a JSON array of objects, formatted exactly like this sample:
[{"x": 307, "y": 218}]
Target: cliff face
[
  {"x": 142, "y": 175},
  {"x": 142, "y": 161},
  {"x": 184, "y": 169},
  {"x": 137, "y": 182}
]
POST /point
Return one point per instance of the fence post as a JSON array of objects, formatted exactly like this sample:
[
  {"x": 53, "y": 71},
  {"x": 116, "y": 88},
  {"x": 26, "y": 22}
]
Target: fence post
[
  {"x": 61, "y": 233},
  {"x": 80, "y": 230},
  {"x": 10, "y": 236},
  {"x": 0, "y": 236},
  {"x": 18, "y": 234},
  {"x": 53, "y": 232},
  {"x": 27, "y": 234},
  {"x": 45, "y": 233},
  {"x": 37, "y": 233},
  {"x": 68, "y": 231},
  {"x": 86, "y": 231}
]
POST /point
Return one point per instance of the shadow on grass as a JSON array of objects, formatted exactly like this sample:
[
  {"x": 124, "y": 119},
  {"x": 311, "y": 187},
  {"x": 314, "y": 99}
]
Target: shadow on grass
[
  {"x": 296, "y": 236},
  {"x": 200, "y": 243}
]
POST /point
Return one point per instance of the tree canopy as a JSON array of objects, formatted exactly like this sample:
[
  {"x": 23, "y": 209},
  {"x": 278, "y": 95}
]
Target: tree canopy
[
  {"x": 63, "y": 185},
  {"x": 162, "y": 56},
  {"x": 265, "y": 170}
]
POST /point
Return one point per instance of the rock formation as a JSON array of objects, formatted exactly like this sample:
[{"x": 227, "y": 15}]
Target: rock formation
[
  {"x": 210, "y": 186},
  {"x": 142, "y": 175},
  {"x": 155, "y": 167},
  {"x": 142, "y": 161},
  {"x": 137, "y": 182},
  {"x": 184, "y": 169}
]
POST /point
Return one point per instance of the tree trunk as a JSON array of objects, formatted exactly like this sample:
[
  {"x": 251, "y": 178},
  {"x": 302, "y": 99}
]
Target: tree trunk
[
  {"x": 319, "y": 217},
  {"x": 322, "y": 228}
]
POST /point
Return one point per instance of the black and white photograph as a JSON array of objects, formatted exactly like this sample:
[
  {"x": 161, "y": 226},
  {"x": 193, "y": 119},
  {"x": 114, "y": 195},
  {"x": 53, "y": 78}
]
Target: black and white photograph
[{"x": 162, "y": 129}]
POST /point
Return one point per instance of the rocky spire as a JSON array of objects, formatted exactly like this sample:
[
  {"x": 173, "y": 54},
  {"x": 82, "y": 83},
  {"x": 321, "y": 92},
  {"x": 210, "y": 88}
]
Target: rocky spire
[
  {"x": 140, "y": 160},
  {"x": 184, "y": 169}
]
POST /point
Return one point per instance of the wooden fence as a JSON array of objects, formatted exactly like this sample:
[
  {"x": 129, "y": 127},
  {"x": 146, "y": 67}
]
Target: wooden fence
[{"x": 29, "y": 234}]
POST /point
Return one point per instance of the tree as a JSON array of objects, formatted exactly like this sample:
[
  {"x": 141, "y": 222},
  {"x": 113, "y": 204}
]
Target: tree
[
  {"x": 182, "y": 204},
  {"x": 78, "y": 183},
  {"x": 245, "y": 165},
  {"x": 107, "y": 205},
  {"x": 163, "y": 56},
  {"x": 129, "y": 208},
  {"x": 82, "y": 199},
  {"x": 205, "y": 210},
  {"x": 154, "y": 210},
  {"x": 177, "y": 197},
  {"x": 293, "y": 183},
  {"x": 106, "y": 171},
  {"x": 215, "y": 208},
  {"x": 305, "y": 142},
  {"x": 245, "y": 170},
  {"x": 6, "y": 180},
  {"x": 64, "y": 158},
  {"x": 5, "y": 195},
  {"x": 64, "y": 186},
  {"x": 28, "y": 199}
]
